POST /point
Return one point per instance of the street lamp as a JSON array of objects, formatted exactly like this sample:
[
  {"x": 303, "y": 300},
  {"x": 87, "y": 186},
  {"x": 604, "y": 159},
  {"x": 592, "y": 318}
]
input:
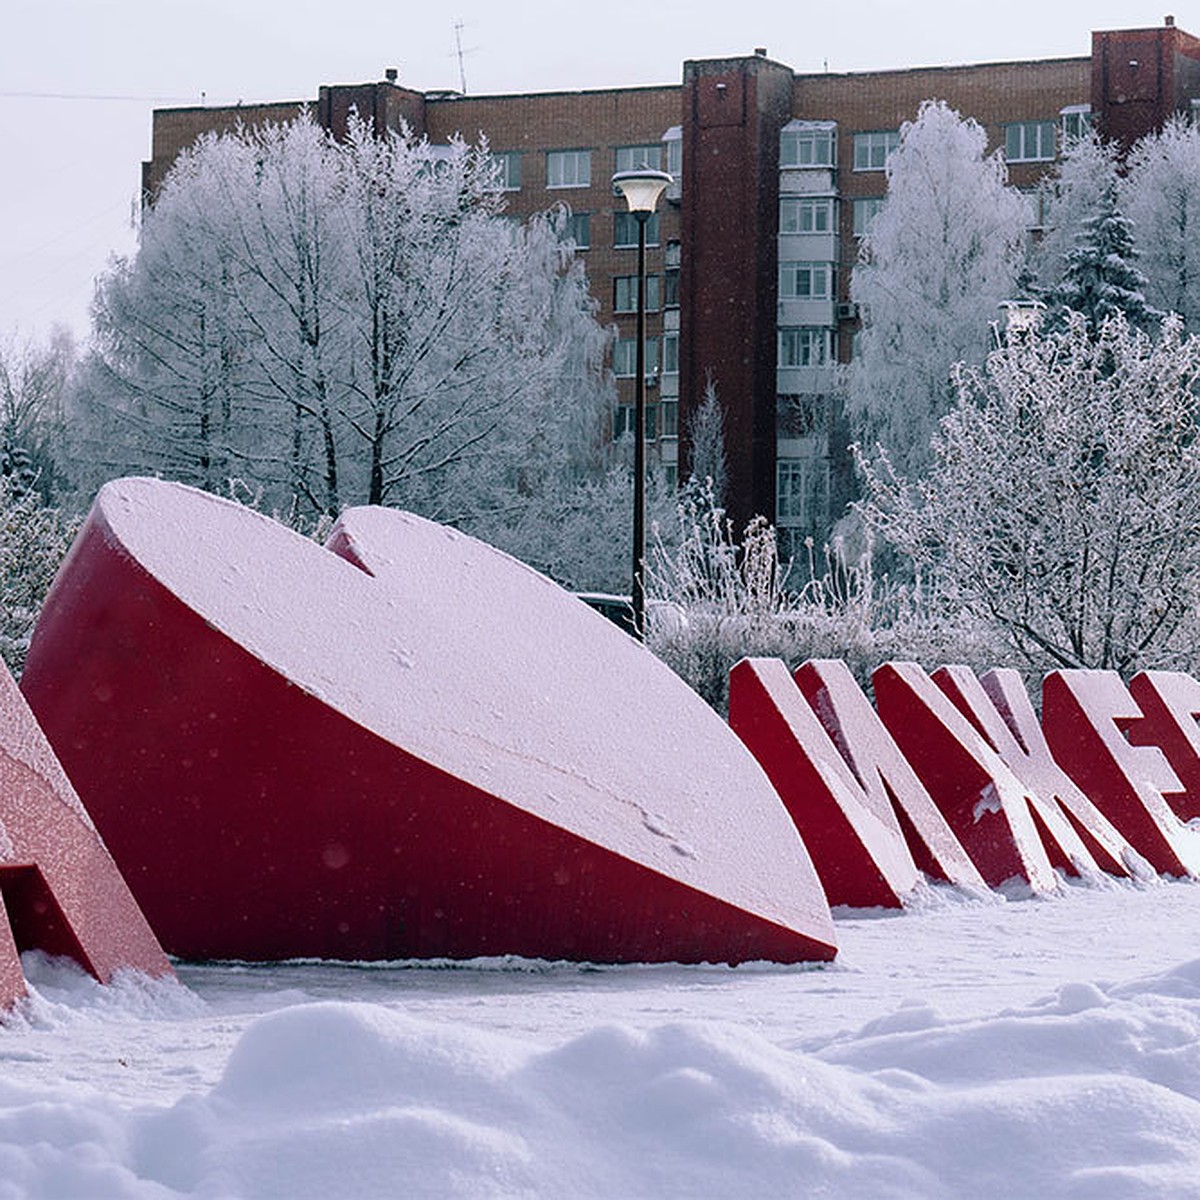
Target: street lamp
[{"x": 641, "y": 190}]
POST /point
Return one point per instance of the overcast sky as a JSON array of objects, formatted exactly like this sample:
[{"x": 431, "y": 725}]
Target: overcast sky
[{"x": 79, "y": 79}]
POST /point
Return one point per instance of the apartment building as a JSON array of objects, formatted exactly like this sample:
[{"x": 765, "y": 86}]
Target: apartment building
[{"x": 777, "y": 175}]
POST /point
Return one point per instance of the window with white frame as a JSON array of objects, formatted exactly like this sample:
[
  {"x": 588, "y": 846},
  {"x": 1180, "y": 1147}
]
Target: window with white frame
[
  {"x": 639, "y": 158},
  {"x": 865, "y": 208},
  {"x": 1029, "y": 141},
  {"x": 625, "y": 289},
  {"x": 806, "y": 214},
  {"x": 801, "y": 491},
  {"x": 673, "y": 141},
  {"x": 871, "y": 150},
  {"x": 804, "y": 346},
  {"x": 668, "y": 413},
  {"x": 625, "y": 230},
  {"x": 1076, "y": 120},
  {"x": 670, "y": 354},
  {"x": 802, "y": 145},
  {"x": 508, "y": 170},
  {"x": 568, "y": 168},
  {"x": 579, "y": 229},
  {"x": 625, "y": 421},
  {"x": 805, "y": 280},
  {"x": 625, "y": 357}
]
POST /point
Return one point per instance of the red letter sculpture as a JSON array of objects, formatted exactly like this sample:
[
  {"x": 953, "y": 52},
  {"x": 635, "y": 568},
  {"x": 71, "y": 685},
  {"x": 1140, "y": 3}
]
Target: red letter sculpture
[
  {"x": 986, "y": 805},
  {"x": 999, "y": 708},
  {"x": 882, "y": 772},
  {"x": 1084, "y": 714},
  {"x": 853, "y": 836},
  {"x": 1170, "y": 704},
  {"x": 414, "y": 746},
  {"x": 59, "y": 889}
]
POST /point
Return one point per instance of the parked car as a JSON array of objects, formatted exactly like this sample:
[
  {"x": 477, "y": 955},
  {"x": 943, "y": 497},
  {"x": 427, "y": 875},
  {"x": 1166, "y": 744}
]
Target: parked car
[{"x": 661, "y": 615}]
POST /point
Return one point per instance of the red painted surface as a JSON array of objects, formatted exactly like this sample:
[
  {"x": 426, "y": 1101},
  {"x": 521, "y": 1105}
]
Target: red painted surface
[
  {"x": 1085, "y": 715},
  {"x": 983, "y": 801},
  {"x": 1170, "y": 703},
  {"x": 853, "y": 836},
  {"x": 1077, "y": 835},
  {"x": 60, "y": 891},
  {"x": 261, "y": 814},
  {"x": 880, "y": 773}
]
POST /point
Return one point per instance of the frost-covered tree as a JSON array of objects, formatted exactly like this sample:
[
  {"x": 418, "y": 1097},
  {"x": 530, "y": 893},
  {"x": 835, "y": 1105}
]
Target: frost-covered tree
[
  {"x": 1070, "y": 195},
  {"x": 1100, "y": 277},
  {"x": 1161, "y": 195},
  {"x": 1062, "y": 508},
  {"x": 33, "y": 380},
  {"x": 346, "y": 323},
  {"x": 941, "y": 254},
  {"x": 706, "y": 433}
]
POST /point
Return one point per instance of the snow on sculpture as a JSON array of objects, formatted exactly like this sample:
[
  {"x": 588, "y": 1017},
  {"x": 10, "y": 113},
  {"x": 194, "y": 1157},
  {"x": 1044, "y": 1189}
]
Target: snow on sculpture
[
  {"x": 986, "y": 805},
  {"x": 1170, "y": 704},
  {"x": 997, "y": 704},
  {"x": 853, "y": 835},
  {"x": 414, "y": 746},
  {"x": 1085, "y": 715},
  {"x": 882, "y": 772},
  {"x": 60, "y": 891}
]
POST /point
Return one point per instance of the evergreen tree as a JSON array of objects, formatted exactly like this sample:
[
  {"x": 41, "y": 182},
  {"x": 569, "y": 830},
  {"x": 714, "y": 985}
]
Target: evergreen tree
[{"x": 1101, "y": 278}]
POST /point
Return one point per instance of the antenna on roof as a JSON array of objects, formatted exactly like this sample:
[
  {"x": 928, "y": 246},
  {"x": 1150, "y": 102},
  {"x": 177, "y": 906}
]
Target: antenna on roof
[{"x": 462, "y": 71}]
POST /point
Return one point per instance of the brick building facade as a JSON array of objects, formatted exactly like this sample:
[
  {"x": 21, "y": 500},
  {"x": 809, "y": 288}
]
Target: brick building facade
[{"x": 749, "y": 257}]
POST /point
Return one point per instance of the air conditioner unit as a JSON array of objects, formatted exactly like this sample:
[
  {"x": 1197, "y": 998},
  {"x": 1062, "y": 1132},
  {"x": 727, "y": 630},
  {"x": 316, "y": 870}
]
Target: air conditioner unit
[{"x": 847, "y": 310}]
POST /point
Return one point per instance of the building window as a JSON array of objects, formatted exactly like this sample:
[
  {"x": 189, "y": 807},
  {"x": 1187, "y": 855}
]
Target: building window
[
  {"x": 625, "y": 230},
  {"x": 668, "y": 418},
  {"x": 670, "y": 354},
  {"x": 625, "y": 357},
  {"x": 508, "y": 170},
  {"x": 806, "y": 214},
  {"x": 671, "y": 287},
  {"x": 1035, "y": 199},
  {"x": 1076, "y": 120},
  {"x": 1029, "y": 141},
  {"x": 673, "y": 141},
  {"x": 806, "y": 346},
  {"x": 568, "y": 168},
  {"x": 625, "y": 293},
  {"x": 871, "y": 150},
  {"x": 865, "y": 209},
  {"x": 639, "y": 158},
  {"x": 579, "y": 230},
  {"x": 805, "y": 280},
  {"x": 801, "y": 491},
  {"x": 807, "y": 146},
  {"x": 625, "y": 421}
]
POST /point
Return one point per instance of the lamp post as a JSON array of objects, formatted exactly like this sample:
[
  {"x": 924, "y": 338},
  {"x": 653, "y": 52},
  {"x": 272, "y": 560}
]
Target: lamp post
[{"x": 641, "y": 190}]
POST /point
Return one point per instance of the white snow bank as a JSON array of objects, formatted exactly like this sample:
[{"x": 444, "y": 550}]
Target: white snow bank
[{"x": 525, "y": 1079}]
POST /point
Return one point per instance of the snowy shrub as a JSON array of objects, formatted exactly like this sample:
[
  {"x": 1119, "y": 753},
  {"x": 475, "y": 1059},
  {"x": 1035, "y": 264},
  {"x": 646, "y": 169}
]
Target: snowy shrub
[
  {"x": 737, "y": 602},
  {"x": 34, "y": 539}
]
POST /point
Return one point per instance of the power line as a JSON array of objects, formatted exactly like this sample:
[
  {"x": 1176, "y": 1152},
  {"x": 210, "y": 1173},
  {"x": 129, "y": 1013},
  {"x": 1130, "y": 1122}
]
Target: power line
[{"x": 17, "y": 95}]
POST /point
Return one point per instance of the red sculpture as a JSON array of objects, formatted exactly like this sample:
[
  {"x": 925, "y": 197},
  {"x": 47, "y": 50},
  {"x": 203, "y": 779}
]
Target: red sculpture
[
  {"x": 882, "y": 772},
  {"x": 59, "y": 890},
  {"x": 1170, "y": 703},
  {"x": 415, "y": 746},
  {"x": 1085, "y": 715},
  {"x": 853, "y": 836},
  {"x": 1077, "y": 836},
  {"x": 986, "y": 805}
]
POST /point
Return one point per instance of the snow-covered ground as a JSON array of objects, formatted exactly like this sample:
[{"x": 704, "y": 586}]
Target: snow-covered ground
[{"x": 975, "y": 1047}]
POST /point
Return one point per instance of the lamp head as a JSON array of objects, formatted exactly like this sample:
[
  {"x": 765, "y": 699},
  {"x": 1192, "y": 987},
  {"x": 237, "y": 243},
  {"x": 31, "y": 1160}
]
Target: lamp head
[{"x": 641, "y": 189}]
